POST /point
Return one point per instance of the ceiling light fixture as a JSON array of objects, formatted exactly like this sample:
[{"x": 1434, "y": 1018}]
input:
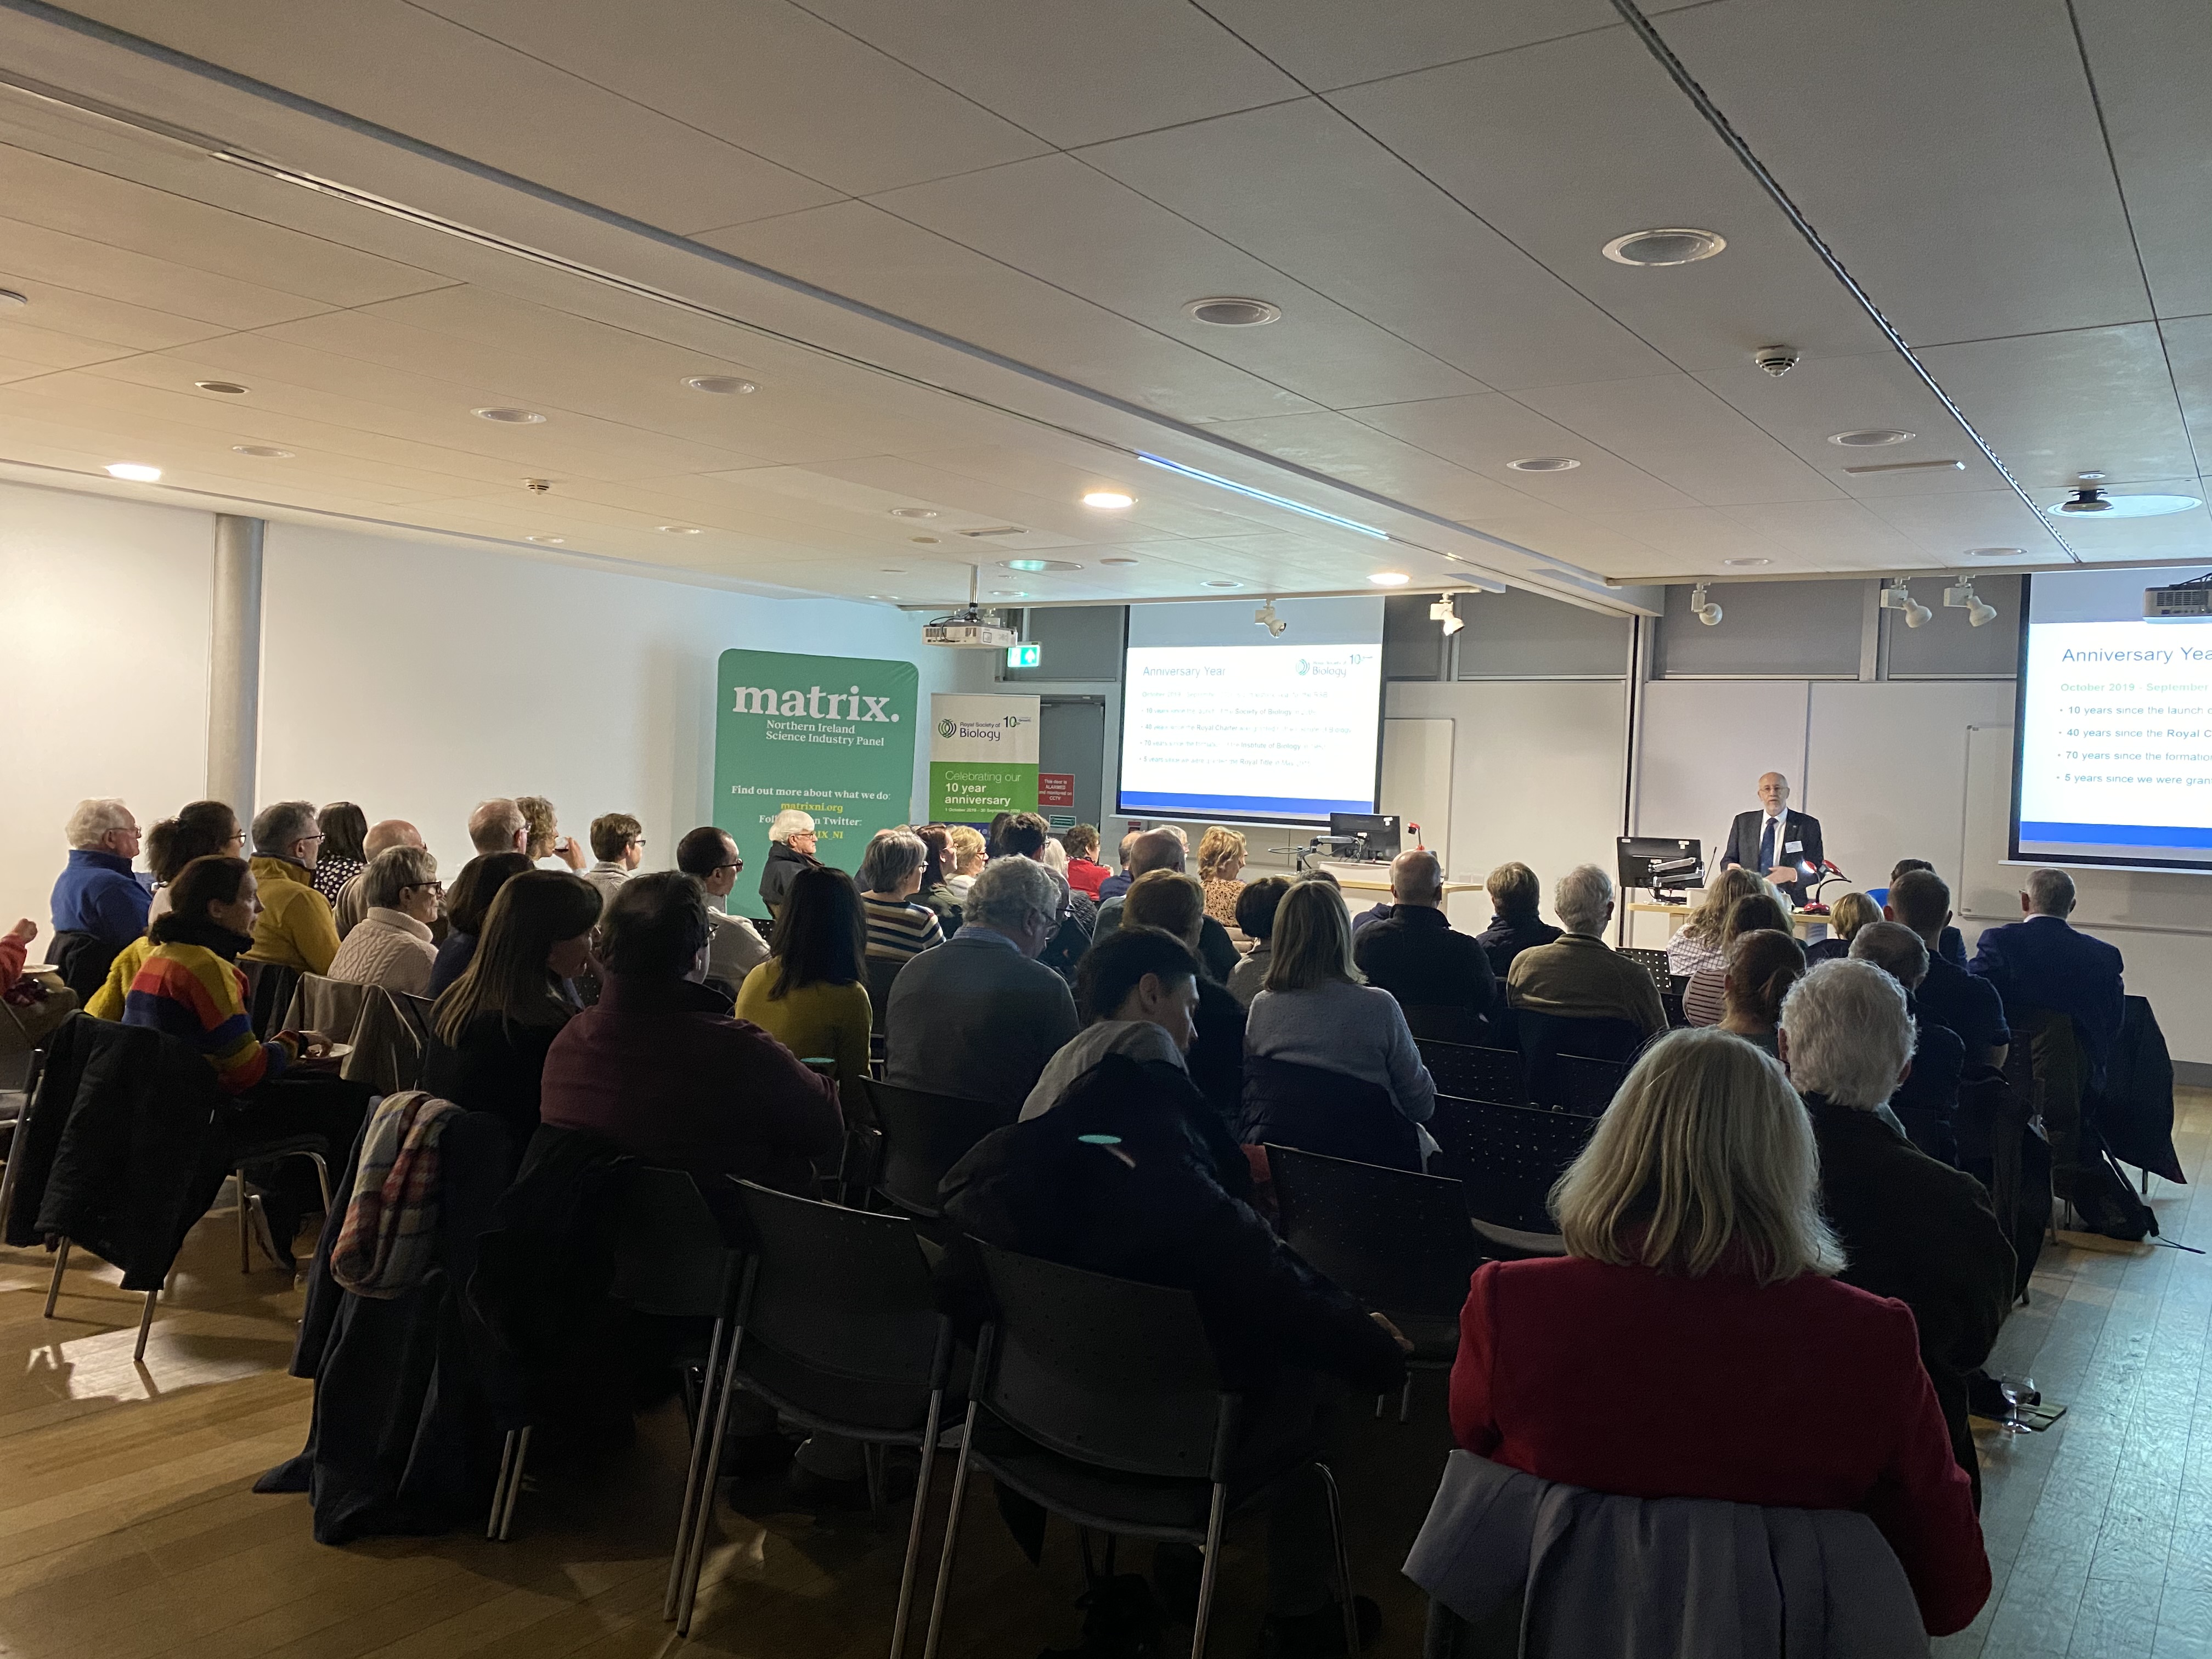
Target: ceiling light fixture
[
  {"x": 1224, "y": 582},
  {"x": 914, "y": 512},
  {"x": 1267, "y": 618},
  {"x": 9, "y": 299},
  {"x": 1979, "y": 612},
  {"x": 677, "y": 529},
  {"x": 510, "y": 417},
  {"x": 1545, "y": 463},
  {"x": 1445, "y": 610},
  {"x": 1117, "y": 561},
  {"x": 1672, "y": 246},
  {"x": 135, "y": 472},
  {"x": 1742, "y": 563},
  {"x": 1230, "y": 311},
  {"x": 1108, "y": 500},
  {"x": 262, "y": 452},
  {"x": 1898, "y": 596},
  {"x": 1263, "y": 495},
  {"x": 1028, "y": 566},
  {"x": 2092, "y": 499},
  {"x": 228, "y": 388},
  {"x": 925, "y": 541},
  {"x": 1389, "y": 579},
  {"x": 546, "y": 541},
  {"x": 722, "y": 385},
  {"x": 892, "y": 570},
  {"x": 1906, "y": 466},
  {"x": 1702, "y": 608},
  {"x": 1995, "y": 552},
  {"x": 1871, "y": 437}
]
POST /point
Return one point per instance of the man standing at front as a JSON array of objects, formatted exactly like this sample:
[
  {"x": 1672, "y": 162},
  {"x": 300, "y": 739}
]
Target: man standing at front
[{"x": 1783, "y": 845}]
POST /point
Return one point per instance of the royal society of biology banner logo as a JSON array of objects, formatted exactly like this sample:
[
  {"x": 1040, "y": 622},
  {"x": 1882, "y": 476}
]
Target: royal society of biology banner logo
[{"x": 983, "y": 757}]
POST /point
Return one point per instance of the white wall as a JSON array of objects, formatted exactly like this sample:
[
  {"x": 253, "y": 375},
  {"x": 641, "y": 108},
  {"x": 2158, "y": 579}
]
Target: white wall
[{"x": 104, "y": 614}]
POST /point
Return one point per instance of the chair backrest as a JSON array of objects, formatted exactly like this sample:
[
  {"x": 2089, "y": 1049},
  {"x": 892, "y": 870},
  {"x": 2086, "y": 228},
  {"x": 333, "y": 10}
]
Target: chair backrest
[
  {"x": 881, "y": 970},
  {"x": 671, "y": 1257},
  {"x": 1399, "y": 1241},
  {"x": 332, "y": 1006},
  {"x": 1544, "y": 1037},
  {"x": 1653, "y": 962},
  {"x": 1586, "y": 1085},
  {"x": 415, "y": 1011},
  {"x": 1508, "y": 1159},
  {"x": 925, "y": 1135},
  {"x": 1438, "y": 1022},
  {"x": 1477, "y": 1073},
  {"x": 1318, "y": 1111},
  {"x": 841, "y": 1291},
  {"x": 268, "y": 990},
  {"x": 1102, "y": 1370},
  {"x": 82, "y": 960},
  {"x": 1670, "y": 998}
]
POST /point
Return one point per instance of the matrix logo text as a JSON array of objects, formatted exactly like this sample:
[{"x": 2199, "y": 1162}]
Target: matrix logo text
[{"x": 810, "y": 702}]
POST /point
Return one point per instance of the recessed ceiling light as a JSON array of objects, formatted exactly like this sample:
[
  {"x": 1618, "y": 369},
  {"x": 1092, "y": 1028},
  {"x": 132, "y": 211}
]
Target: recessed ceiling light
[
  {"x": 1029, "y": 566},
  {"x": 546, "y": 541},
  {"x": 1227, "y": 311},
  {"x": 1117, "y": 561},
  {"x": 914, "y": 512},
  {"x": 1871, "y": 437},
  {"x": 9, "y": 299},
  {"x": 262, "y": 452},
  {"x": 677, "y": 529},
  {"x": 1746, "y": 562},
  {"x": 925, "y": 541},
  {"x": 228, "y": 388},
  {"x": 1111, "y": 501},
  {"x": 894, "y": 570},
  {"x": 2090, "y": 498},
  {"x": 1994, "y": 552},
  {"x": 135, "y": 472},
  {"x": 1672, "y": 246},
  {"x": 510, "y": 417},
  {"x": 1225, "y": 584},
  {"x": 1545, "y": 463},
  {"x": 1008, "y": 593},
  {"x": 1389, "y": 579},
  {"x": 722, "y": 385}
]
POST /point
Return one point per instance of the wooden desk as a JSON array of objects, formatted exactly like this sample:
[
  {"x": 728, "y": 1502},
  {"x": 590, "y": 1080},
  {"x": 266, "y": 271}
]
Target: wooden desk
[{"x": 1800, "y": 922}]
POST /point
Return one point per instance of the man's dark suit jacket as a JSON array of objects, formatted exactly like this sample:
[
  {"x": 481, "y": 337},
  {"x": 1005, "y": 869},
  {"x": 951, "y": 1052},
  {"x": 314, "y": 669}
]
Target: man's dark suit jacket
[
  {"x": 1743, "y": 845},
  {"x": 1424, "y": 961},
  {"x": 2046, "y": 961}
]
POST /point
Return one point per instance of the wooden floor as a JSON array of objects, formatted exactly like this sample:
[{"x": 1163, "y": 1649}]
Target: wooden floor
[{"x": 128, "y": 1527}]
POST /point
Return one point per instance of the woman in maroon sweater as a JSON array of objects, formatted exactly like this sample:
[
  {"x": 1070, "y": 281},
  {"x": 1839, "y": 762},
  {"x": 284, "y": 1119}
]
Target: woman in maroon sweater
[{"x": 1693, "y": 1342}]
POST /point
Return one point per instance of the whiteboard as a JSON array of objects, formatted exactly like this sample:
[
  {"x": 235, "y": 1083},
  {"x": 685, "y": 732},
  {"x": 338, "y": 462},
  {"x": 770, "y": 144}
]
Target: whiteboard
[{"x": 1417, "y": 782}]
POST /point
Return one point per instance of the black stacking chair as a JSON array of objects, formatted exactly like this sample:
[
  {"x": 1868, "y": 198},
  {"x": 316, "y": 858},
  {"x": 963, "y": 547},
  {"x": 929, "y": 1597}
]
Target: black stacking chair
[
  {"x": 269, "y": 988},
  {"x": 1654, "y": 962},
  {"x": 1098, "y": 1400},
  {"x": 1476, "y": 1074},
  {"x": 1670, "y": 998},
  {"x": 1544, "y": 1037},
  {"x": 1399, "y": 1243},
  {"x": 1586, "y": 1085},
  {"x": 1507, "y": 1159},
  {"x": 923, "y": 1136}
]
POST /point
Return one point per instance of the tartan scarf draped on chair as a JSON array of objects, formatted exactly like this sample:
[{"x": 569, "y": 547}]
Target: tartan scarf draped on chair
[{"x": 388, "y": 1245}]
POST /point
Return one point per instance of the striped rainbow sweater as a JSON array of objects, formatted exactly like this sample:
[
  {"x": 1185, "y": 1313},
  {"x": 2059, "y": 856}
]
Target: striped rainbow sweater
[{"x": 190, "y": 992}]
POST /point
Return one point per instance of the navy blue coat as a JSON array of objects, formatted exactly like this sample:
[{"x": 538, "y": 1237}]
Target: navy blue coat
[{"x": 2046, "y": 961}]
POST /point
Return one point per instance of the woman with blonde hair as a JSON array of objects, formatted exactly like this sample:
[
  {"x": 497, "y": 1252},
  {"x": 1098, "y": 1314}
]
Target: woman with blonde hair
[
  {"x": 1846, "y": 915},
  {"x": 1679, "y": 1348},
  {"x": 1697, "y": 943},
  {"x": 1220, "y": 868}
]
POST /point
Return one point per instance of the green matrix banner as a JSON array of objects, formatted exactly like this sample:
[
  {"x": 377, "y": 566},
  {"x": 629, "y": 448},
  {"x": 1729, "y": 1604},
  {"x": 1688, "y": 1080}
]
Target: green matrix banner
[
  {"x": 983, "y": 757},
  {"x": 832, "y": 736}
]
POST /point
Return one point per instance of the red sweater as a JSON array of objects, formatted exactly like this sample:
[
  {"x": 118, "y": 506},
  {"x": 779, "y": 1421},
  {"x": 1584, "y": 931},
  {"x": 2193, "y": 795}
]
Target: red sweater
[{"x": 1808, "y": 1394}]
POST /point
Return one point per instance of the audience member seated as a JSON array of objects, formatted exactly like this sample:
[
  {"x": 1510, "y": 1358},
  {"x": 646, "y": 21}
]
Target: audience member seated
[
  {"x": 96, "y": 893},
  {"x": 542, "y": 836},
  {"x": 353, "y": 898},
  {"x": 979, "y": 1017},
  {"x": 790, "y": 850},
  {"x": 1221, "y": 867},
  {"x": 658, "y": 1066},
  {"x": 899, "y": 924},
  {"x": 34, "y": 1005},
  {"x": 1138, "y": 995},
  {"x": 618, "y": 848},
  {"x": 342, "y": 856},
  {"x": 1702, "y": 1003},
  {"x": 1696, "y": 1329},
  {"x": 1910, "y": 1228},
  {"x": 1848, "y": 914},
  {"x": 965, "y": 856},
  {"x": 1085, "y": 873},
  {"x": 1441, "y": 977},
  {"x": 201, "y": 828},
  {"x": 491, "y": 1027},
  {"x": 499, "y": 826},
  {"x": 1762, "y": 967},
  {"x": 1315, "y": 1011},
  {"x": 295, "y": 928},
  {"x": 1514, "y": 924},
  {"x": 1026, "y": 835},
  {"x": 810, "y": 994},
  {"x": 468, "y": 901},
  {"x": 1176, "y": 905},
  {"x": 710, "y": 858},
  {"x": 1115, "y": 885},
  {"x": 935, "y": 870},
  {"x": 1950, "y": 996},
  {"x": 1163, "y": 849},
  {"x": 14, "y": 946},
  {"x": 392, "y": 947},
  {"x": 191, "y": 988},
  {"x": 1579, "y": 976},
  {"x": 1255, "y": 919},
  {"x": 1118, "y": 1178},
  {"x": 1950, "y": 945},
  {"x": 1697, "y": 943},
  {"x": 1927, "y": 1102}
]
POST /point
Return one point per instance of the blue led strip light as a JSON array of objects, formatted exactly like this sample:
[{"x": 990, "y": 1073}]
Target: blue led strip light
[{"x": 1262, "y": 495}]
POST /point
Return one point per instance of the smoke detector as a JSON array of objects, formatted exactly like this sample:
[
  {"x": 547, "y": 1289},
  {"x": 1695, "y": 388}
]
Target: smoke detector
[{"x": 1777, "y": 361}]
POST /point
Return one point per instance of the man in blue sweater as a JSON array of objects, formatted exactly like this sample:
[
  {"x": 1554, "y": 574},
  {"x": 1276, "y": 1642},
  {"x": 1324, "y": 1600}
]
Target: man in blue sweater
[{"x": 97, "y": 893}]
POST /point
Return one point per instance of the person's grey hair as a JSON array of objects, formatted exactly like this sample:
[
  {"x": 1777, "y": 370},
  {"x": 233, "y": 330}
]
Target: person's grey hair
[
  {"x": 892, "y": 857},
  {"x": 276, "y": 827},
  {"x": 1581, "y": 898},
  {"x": 494, "y": 824},
  {"x": 92, "y": 819},
  {"x": 1417, "y": 876},
  {"x": 1012, "y": 894},
  {"x": 394, "y": 870},
  {"x": 788, "y": 823},
  {"x": 2050, "y": 893},
  {"x": 1054, "y": 856},
  {"x": 1705, "y": 1160},
  {"x": 1848, "y": 1033},
  {"x": 1893, "y": 948}
]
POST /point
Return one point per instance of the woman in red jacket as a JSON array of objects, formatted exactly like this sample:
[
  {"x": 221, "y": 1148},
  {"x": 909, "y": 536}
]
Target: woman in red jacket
[{"x": 1693, "y": 1342}]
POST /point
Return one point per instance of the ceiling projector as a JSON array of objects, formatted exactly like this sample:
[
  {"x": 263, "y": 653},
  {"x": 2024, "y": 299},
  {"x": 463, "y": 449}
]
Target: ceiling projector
[
  {"x": 970, "y": 629},
  {"x": 2189, "y": 601}
]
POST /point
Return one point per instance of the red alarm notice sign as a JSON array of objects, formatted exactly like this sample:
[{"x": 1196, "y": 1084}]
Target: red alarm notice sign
[{"x": 1055, "y": 789}]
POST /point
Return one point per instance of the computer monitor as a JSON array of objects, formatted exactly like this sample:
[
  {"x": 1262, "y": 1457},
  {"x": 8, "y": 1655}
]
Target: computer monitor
[
  {"x": 1364, "y": 835},
  {"x": 1661, "y": 865}
]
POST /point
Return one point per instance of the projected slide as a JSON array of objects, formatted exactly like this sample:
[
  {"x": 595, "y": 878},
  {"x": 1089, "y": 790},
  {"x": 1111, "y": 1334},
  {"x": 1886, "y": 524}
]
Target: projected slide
[
  {"x": 1221, "y": 720},
  {"x": 2115, "y": 728}
]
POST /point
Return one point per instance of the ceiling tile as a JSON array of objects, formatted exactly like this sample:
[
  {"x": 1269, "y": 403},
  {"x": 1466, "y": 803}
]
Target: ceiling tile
[
  {"x": 1483, "y": 433},
  {"x": 40, "y": 257},
  {"x": 1343, "y": 448},
  {"x": 2153, "y": 61},
  {"x": 1328, "y": 44},
  {"x": 1946, "y": 526},
  {"x": 2189, "y": 356},
  {"x": 1679, "y": 432}
]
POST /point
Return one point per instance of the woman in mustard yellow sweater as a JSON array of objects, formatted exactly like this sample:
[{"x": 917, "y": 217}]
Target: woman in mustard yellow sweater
[{"x": 810, "y": 995}]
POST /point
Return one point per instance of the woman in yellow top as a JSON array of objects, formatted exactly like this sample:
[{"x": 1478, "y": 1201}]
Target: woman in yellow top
[{"x": 811, "y": 995}]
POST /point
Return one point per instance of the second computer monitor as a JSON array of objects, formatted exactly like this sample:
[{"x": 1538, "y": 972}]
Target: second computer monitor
[{"x": 1380, "y": 830}]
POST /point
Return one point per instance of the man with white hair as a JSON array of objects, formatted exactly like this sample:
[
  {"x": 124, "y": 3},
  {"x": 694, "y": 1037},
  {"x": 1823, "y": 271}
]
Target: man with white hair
[
  {"x": 790, "y": 849},
  {"x": 1928, "y": 1099},
  {"x": 353, "y": 898},
  {"x": 978, "y": 1017},
  {"x": 96, "y": 892},
  {"x": 1910, "y": 1227},
  {"x": 1579, "y": 976},
  {"x": 498, "y": 826},
  {"x": 295, "y": 928}
]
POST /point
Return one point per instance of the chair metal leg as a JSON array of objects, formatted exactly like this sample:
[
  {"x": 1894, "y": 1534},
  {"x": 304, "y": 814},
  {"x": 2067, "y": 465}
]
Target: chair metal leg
[
  {"x": 514, "y": 1487},
  {"x": 54, "y": 1290},
  {"x": 1406, "y": 1400},
  {"x": 245, "y": 1232},
  {"x": 952, "y": 1538},
  {"x": 9, "y": 1171},
  {"x": 914, "y": 1530},
  {"x": 322, "y": 1177},
  {"x": 871, "y": 1466},
  {"x": 1379, "y": 1399},
  {"x": 689, "y": 1596},
  {"x": 1343, "y": 1558},
  {"x": 499, "y": 1488},
  {"x": 688, "y": 1518},
  {"x": 1215, "y": 1510},
  {"x": 145, "y": 1324}
]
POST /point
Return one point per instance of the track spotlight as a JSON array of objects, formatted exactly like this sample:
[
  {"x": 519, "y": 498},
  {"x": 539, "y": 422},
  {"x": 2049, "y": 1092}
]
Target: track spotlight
[
  {"x": 1898, "y": 596},
  {"x": 1702, "y": 608},
  {"x": 1266, "y": 617},
  {"x": 1979, "y": 612},
  {"x": 1444, "y": 611}
]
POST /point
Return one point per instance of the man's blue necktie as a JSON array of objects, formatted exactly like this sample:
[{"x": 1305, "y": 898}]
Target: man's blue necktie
[{"x": 1766, "y": 846}]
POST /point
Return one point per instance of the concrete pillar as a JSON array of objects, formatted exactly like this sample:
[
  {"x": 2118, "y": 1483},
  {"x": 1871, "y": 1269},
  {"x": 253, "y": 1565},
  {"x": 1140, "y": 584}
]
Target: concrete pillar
[{"x": 235, "y": 665}]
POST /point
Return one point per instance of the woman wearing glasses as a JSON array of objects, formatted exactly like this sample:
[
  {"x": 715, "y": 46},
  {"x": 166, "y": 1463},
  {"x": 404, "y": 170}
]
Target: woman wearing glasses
[{"x": 392, "y": 946}]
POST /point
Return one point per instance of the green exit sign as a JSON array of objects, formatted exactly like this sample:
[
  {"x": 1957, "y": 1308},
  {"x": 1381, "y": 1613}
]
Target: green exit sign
[{"x": 1024, "y": 656}]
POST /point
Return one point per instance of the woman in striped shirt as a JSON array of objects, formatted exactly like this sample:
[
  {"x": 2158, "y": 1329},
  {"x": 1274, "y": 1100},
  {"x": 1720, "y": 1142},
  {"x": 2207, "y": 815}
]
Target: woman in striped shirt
[{"x": 889, "y": 875}]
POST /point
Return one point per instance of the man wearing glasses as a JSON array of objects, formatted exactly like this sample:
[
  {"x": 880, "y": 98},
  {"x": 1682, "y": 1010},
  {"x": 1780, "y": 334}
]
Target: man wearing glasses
[
  {"x": 790, "y": 849},
  {"x": 294, "y": 928},
  {"x": 618, "y": 844},
  {"x": 710, "y": 858}
]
